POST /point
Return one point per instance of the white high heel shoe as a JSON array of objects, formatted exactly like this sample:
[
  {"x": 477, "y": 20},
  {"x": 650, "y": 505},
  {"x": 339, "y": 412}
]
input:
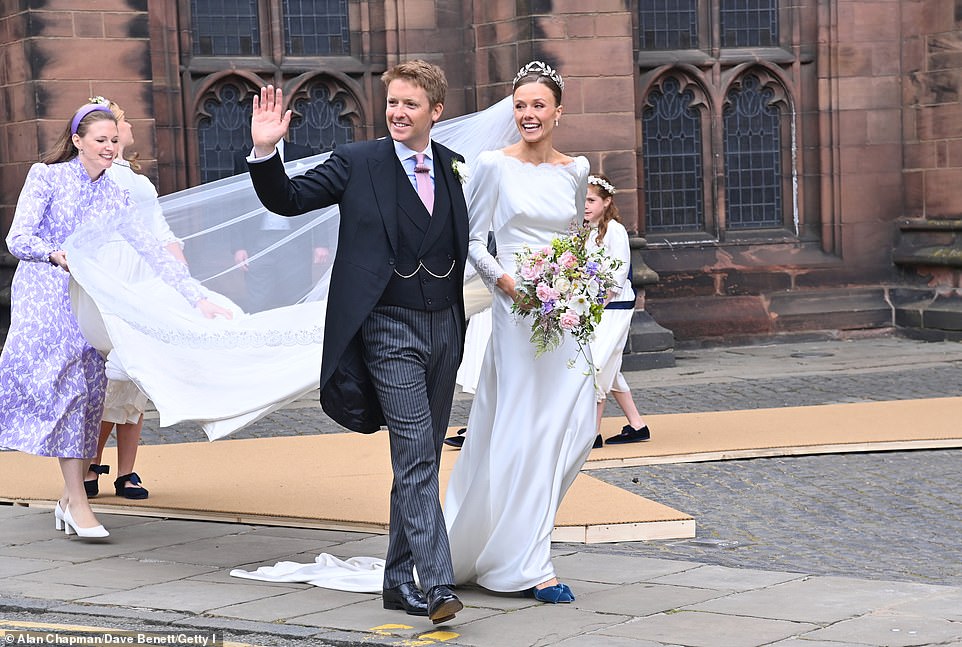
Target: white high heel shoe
[
  {"x": 70, "y": 527},
  {"x": 58, "y": 517}
]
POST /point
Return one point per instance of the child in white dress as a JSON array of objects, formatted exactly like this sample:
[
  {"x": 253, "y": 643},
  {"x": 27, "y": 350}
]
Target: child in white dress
[{"x": 612, "y": 333}]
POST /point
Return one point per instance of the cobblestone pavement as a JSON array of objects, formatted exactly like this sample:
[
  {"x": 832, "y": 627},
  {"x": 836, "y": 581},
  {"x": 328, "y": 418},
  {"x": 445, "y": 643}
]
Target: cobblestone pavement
[
  {"x": 886, "y": 515},
  {"x": 890, "y": 515}
]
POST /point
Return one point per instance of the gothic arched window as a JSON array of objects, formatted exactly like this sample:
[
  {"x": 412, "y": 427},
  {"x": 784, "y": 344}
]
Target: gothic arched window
[
  {"x": 672, "y": 150},
  {"x": 284, "y": 43},
  {"x": 223, "y": 130},
  {"x": 320, "y": 121},
  {"x": 720, "y": 133},
  {"x": 753, "y": 154}
]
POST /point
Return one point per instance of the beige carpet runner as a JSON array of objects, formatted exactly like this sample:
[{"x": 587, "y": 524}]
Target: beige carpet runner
[{"x": 342, "y": 481}]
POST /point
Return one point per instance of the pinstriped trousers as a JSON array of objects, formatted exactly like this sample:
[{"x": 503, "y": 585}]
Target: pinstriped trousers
[{"x": 413, "y": 356}]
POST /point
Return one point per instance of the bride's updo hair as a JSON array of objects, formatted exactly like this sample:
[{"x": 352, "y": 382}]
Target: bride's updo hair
[{"x": 539, "y": 72}]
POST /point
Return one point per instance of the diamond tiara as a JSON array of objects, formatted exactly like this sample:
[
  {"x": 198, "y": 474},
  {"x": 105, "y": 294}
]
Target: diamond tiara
[
  {"x": 541, "y": 69},
  {"x": 597, "y": 181}
]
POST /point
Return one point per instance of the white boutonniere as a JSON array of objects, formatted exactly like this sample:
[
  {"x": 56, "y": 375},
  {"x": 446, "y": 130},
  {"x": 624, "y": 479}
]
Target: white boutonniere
[{"x": 461, "y": 170}]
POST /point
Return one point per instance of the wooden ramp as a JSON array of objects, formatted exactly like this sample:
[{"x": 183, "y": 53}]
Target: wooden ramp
[
  {"x": 330, "y": 481},
  {"x": 342, "y": 481},
  {"x": 934, "y": 423}
]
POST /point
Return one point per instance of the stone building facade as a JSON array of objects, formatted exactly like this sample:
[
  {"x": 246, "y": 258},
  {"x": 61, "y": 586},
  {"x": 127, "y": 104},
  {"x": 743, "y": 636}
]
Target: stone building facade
[{"x": 793, "y": 167}]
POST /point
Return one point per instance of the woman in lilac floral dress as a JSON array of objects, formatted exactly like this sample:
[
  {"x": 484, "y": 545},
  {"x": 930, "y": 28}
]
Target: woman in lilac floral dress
[{"x": 51, "y": 380}]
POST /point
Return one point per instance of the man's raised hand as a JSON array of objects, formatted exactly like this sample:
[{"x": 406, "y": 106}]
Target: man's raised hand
[{"x": 269, "y": 121}]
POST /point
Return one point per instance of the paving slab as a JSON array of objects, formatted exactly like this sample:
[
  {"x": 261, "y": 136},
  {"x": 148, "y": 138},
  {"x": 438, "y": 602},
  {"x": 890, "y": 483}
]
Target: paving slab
[
  {"x": 302, "y": 602},
  {"x": 544, "y": 624},
  {"x": 185, "y": 595},
  {"x": 643, "y": 599},
  {"x": 890, "y": 630},
  {"x": 816, "y": 599},
  {"x": 116, "y": 573},
  {"x": 697, "y": 629},
  {"x": 11, "y": 566},
  {"x": 229, "y": 549},
  {"x": 722, "y": 578}
]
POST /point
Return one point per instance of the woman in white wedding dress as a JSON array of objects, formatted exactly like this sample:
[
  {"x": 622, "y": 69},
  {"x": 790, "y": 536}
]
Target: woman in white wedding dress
[{"x": 532, "y": 421}]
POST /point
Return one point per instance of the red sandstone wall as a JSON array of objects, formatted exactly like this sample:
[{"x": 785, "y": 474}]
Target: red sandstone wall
[
  {"x": 867, "y": 79},
  {"x": 931, "y": 58},
  {"x": 51, "y": 60}
]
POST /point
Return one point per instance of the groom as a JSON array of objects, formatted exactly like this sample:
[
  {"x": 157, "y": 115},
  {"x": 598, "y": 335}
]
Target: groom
[{"x": 395, "y": 313}]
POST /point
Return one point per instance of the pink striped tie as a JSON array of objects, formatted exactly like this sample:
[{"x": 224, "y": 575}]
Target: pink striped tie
[{"x": 422, "y": 175}]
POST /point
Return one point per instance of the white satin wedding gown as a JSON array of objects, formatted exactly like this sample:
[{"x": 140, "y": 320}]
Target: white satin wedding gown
[{"x": 532, "y": 422}]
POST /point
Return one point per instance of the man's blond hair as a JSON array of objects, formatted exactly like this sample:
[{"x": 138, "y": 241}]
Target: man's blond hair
[{"x": 424, "y": 75}]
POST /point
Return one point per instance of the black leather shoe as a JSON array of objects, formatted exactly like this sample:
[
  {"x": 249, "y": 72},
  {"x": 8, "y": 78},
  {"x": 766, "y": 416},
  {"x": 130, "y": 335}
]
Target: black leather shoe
[
  {"x": 456, "y": 441},
  {"x": 442, "y": 604},
  {"x": 630, "y": 435},
  {"x": 406, "y": 597},
  {"x": 598, "y": 442}
]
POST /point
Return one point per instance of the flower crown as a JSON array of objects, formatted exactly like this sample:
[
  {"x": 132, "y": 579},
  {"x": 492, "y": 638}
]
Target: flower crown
[
  {"x": 599, "y": 181},
  {"x": 541, "y": 69}
]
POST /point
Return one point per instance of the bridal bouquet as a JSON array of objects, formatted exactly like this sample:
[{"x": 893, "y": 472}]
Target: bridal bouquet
[{"x": 562, "y": 287}]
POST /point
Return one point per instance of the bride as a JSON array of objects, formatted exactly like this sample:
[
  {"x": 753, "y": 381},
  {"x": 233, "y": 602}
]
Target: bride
[{"x": 532, "y": 420}]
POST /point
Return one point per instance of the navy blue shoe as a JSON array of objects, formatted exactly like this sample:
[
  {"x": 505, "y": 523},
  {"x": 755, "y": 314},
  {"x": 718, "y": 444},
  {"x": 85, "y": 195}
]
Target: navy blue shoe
[
  {"x": 557, "y": 594},
  {"x": 630, "y": 435}
]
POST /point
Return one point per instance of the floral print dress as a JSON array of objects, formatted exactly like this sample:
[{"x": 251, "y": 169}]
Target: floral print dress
[{"x": 52, "y": 381}]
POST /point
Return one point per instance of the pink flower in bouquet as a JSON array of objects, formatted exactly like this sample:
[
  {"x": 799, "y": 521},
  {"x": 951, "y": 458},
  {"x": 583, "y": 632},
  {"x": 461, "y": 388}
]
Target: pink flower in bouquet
[
  {"x": 569, "y": 320},
  {"x": 568, "y": 260},
  {"x": 547, "y": 293},
  {"x": 532, "y": 271}
]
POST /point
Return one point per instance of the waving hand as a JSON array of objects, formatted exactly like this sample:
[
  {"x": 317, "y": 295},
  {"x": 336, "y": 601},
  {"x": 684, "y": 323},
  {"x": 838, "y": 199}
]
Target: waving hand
[{"x": 269, "y": 121}]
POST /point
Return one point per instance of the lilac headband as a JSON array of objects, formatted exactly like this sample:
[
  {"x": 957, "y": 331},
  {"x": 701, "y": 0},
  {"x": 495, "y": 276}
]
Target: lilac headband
[{"x": 83, "y": 112}]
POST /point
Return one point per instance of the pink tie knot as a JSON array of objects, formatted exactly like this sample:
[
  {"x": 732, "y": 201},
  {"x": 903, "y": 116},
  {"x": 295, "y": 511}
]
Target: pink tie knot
[{"x": 420, "y": 166}]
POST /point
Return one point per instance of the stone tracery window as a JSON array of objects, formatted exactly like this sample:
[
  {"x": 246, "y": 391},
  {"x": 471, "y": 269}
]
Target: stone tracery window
[
  {"x": 320, "y": 120},
  {"x": 753, "y": 156},
  {"x": 718, "y": 118},
  {"x": 672, "y": 149},
  {"x": 223, "y": 129}
]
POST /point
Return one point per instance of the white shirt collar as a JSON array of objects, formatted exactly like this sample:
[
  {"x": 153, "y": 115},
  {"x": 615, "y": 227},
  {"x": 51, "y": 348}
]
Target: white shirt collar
[{"x": 403, "y": 152}]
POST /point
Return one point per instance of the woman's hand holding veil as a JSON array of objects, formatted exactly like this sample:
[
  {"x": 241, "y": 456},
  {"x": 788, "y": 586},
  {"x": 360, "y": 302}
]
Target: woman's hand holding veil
[{"x": 211, "y": 310}]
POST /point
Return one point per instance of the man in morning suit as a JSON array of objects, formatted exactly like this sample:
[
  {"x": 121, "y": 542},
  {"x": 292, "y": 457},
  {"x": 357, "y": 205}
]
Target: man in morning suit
[{"x": 395, "y": 326}]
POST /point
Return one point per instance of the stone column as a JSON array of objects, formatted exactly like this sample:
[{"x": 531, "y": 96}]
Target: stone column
[
  {"x": 650, "y": 345},
  {"x": 929, "y": 239}
]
